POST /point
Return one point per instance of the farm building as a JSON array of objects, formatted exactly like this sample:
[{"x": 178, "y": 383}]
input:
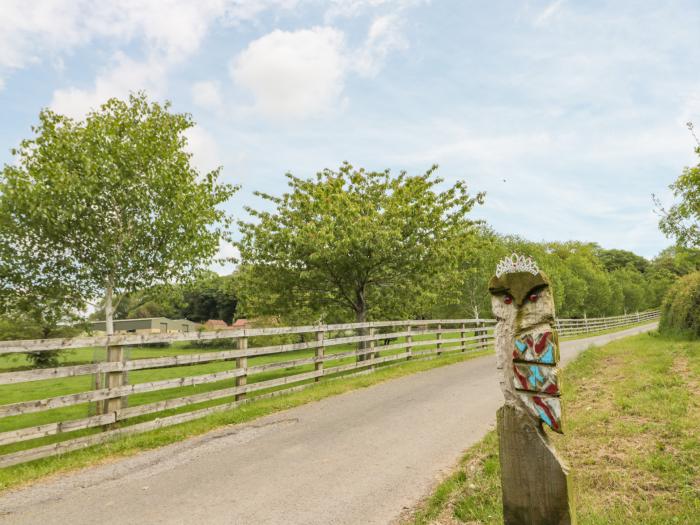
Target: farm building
[
  {"x": 216, "y": 324},
  {"x": 151, "y": 325}
]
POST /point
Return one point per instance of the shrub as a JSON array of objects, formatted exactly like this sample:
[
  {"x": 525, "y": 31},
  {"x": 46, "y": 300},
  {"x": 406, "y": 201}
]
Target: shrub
[{"x": 680, "y": 310}]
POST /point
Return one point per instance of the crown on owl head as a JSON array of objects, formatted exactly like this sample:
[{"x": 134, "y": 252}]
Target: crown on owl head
[{"x": 516, "y": 263}]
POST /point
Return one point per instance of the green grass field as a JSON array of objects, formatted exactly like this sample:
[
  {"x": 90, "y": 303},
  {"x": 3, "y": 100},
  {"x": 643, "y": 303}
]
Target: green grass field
[
  {"x": 632, "y": 415},
  {"x": 48, "y": 388},
  {"x": 27, "y": 472},
  {"x": 33, "y": 390}
]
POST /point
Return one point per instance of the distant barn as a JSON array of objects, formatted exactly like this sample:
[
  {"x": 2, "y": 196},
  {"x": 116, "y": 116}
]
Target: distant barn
[
  {"x": 216, "y": 324},
  {"x": 150, "y": 325}
]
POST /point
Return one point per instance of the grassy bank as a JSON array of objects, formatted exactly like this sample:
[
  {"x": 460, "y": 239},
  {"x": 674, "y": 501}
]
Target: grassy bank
[{"x": 632, "y": 415}]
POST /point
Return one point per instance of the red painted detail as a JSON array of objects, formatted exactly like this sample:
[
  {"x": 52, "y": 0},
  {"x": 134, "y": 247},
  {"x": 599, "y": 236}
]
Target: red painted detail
[
  {"x": 507, "y": 299},
  {"x": 515, "y": 354},
  {"x": 552, "y": 389},
  {"x": 543, "y": 406},
  {"x": 542, "y": 341},
  {"x": 533, "y": 297},
  {"x": 521, "y": 378},
  {"x": 528, "y": 340}
]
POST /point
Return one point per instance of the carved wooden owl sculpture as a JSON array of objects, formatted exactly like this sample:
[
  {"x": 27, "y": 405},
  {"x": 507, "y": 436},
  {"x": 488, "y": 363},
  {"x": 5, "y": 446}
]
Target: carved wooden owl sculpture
[{"x": 526, "y": 342}]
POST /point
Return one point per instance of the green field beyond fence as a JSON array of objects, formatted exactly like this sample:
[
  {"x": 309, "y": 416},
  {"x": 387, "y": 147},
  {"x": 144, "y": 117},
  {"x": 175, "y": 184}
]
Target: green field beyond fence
[{"x": 110, "y": 386}]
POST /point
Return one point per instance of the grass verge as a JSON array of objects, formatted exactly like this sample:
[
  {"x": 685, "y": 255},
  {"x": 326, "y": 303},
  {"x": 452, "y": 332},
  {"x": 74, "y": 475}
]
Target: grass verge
[
  {"x": 27, "y": 472},
  {"x": 632, "y": 415}
]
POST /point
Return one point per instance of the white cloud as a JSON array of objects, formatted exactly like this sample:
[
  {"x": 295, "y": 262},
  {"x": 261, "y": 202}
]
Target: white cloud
[
  {"x": 302, "y": 73},
  {"x": 204, "y": 149},
  {"x": 169, "y": 31},
  {"x": 207, "y": 94},
  {"x": 123, "y": 76},
  {"x": 32, "y": 30},
  {"x": 29, "y": 28},
  {"x": 548, "y": 12},
  {"x": 296, "y": 73},
  {"x": 355, "y": 8},
  {"x": 293, "y": 74},
  {"x": 384, "y": 36},
  {"x": 245, "y": 10}
]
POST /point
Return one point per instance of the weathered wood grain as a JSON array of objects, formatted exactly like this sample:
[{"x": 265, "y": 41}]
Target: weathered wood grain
[
  {"x": 26, "y": 407},
  {"x": 37, "y": 345},
  {"x": 534, "y": 480},
  {"x": 242, "y": 364}
]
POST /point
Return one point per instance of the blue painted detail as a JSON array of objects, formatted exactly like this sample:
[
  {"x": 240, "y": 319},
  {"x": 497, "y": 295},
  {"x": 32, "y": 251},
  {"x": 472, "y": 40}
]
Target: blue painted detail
[
  {"x": 520, "y": 345},
  {"x": 543, "y": 416},
  {"x": 536, "y": 375},
  {"x": 548, "y": 356}
]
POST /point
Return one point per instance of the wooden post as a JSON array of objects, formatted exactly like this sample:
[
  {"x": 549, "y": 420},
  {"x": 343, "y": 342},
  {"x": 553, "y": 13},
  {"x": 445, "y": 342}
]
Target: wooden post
[
  {"x": 372, "y": 346},
  {"x": 114, "y": 380},
  {"x": 319, "y": 353},
  {"x": 534, "y": 480},
  {"x": 480, "y": 332},
  {"x": 463, "y": 344},
  {"x": 97, "y": 385},
  {"x": 242, "y": 362},
  {"x": 585, "y": 321},
  {"x": 439, "y": 338},
  {"x": 409, "y": 340}
]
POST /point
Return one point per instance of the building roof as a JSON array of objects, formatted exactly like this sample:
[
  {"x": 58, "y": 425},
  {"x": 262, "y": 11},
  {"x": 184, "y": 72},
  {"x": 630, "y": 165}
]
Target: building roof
[
  {"x": 141, "y": 322},
  {"x": 216, "y": 323}
]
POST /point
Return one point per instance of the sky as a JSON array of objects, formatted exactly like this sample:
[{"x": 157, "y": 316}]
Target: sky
[{"x": 569, "y": 115}]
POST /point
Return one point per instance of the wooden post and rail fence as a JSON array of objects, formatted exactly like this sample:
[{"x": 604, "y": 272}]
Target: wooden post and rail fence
[{"x": 99, "y": 390}]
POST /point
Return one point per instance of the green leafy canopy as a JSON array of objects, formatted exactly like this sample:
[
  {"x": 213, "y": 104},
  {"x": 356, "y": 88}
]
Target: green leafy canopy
[
  {"x": 682, "y": 220},
  {"x": 351, "y": 241},
  {"x": 110, "y": 202}
]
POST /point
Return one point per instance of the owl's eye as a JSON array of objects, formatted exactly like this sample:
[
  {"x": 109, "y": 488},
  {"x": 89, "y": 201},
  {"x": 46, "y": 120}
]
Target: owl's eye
[
  {"x": 533, "y": 297},
  {"x": 507, "y": 299}
]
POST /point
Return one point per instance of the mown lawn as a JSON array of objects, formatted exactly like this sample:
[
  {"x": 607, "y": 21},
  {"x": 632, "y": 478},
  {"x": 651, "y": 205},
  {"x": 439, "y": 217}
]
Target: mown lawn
[
  {"x": 34, "y": 390},
  {"x": 132, "y": 444},
  {"x": 632, "y": 415}
]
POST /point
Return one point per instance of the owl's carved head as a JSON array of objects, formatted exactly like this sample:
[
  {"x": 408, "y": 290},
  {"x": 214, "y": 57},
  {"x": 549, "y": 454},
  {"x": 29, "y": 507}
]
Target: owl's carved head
[{"x": 521, "y": 297}]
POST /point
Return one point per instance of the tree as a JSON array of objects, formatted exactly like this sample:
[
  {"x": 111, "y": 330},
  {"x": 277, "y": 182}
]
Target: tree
[
  {"x": 465, "y": 293},
  {"x": 682, "y": 220},
  {"x": 210, "y": 296},
  {"x": 616, "y": 259},
  {"x": 678, "y": 260},
  {"x": 110, "y": 204},
  {"x": 352, "y": 243}
]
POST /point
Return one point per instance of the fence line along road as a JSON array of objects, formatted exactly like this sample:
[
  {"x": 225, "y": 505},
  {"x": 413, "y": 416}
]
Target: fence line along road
[{"x": 265, "y": 361}]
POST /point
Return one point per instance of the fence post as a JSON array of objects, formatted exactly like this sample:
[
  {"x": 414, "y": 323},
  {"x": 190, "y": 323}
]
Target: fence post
[
  {"x": 115, "y": 354},
  {"x": 97, "y": 385},
  {"x": 439, "y": 338},
  {"x": 242, "y": 362},
  {"x": 479, "y": 334},
  {"x": 409, "y": 340},
  {"x": 372, "y": 346},
  {"x": 585, "y": 322},
  {"x": 319, "y": 354},
  {"x": 463, "y": 343}
]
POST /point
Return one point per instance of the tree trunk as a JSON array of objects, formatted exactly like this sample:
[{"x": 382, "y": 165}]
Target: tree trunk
[
  {"x": 109, "y": 311},
  {"x": 361, "y": 317}
]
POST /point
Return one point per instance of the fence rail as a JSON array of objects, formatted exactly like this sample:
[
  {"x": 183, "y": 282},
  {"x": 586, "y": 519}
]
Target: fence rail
[
  {"x": 587, "y": 325},
  {"x": 132, "y": 391}
]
